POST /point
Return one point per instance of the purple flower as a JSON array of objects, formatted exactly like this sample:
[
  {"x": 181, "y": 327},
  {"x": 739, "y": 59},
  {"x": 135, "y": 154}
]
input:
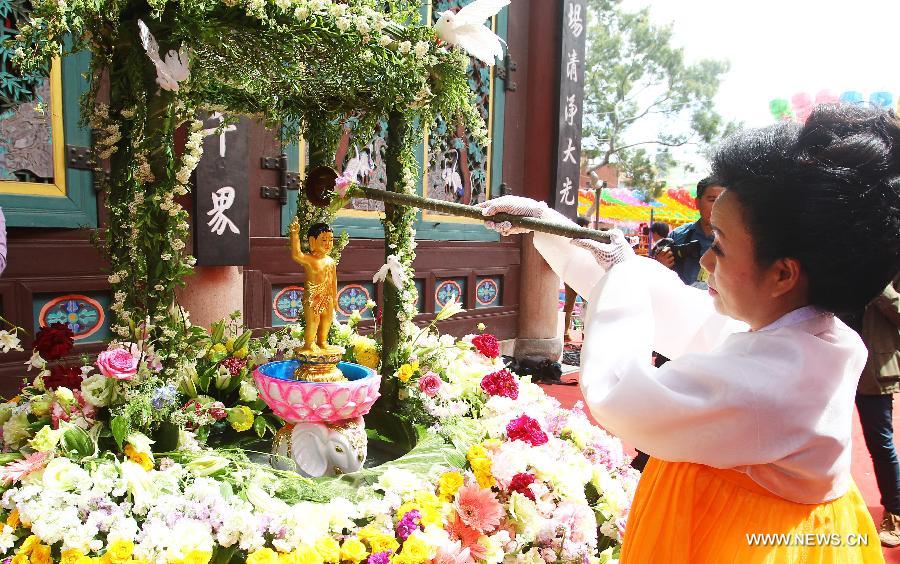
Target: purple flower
[
  {"x": 379, "y": 558},
  {"x": 408, "y": 524}
]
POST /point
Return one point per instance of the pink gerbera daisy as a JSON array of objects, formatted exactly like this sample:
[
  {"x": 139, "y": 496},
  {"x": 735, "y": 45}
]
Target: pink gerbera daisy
[
  {"x": 478, "y": 508},
  {"x": 15, "y": 471}
]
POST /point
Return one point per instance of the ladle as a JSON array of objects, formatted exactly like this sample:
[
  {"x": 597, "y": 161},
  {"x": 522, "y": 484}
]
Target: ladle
[{"x": 320, "y": 184}]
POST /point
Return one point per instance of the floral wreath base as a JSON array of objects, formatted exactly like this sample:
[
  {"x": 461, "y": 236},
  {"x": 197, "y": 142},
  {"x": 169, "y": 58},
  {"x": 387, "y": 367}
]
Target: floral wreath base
[{"x": 496, "y": 470}]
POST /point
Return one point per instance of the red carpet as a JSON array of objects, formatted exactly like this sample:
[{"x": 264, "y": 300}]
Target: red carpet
[{"x": 862, "y": 462}]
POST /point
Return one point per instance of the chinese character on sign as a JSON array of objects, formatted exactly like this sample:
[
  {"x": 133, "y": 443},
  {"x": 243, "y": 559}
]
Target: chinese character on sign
[
  {"x": 222, "y": 200},
  {"x": 575, "y": 22},
  {"x": 569, "y": 153},
  {"x": 571, "y": 110},
  {"x": 227, "y": 129},
  {"x": 565, "y": 195},
  {"x": 572, "y": 66}
]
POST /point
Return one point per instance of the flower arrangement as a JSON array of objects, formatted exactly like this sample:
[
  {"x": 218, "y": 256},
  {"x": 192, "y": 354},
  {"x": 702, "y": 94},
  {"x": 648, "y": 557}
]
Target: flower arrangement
[{"x": 502, "y": 474}]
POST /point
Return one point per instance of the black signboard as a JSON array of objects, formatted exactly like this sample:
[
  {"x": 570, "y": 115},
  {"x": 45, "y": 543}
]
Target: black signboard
[
  {"x": 221, "y": 200},
  {"x": 571, "y": 99}
]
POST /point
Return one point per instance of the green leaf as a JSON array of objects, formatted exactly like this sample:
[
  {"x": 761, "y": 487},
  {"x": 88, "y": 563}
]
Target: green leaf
[
  {"x": 75, "y": 439},
  {"x": 223, "y": 555},
  {"x": 259, "y": 425},
  {"x": 218, "y": 331},
  {"x": 242, "y": 341},
  {"x": 120, "y": 426},
  {"x": 7, "y": 457}
]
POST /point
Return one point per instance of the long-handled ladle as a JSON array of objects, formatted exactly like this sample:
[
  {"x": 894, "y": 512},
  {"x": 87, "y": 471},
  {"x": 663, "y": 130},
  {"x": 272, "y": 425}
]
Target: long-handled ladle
[{"x": 320, "y": 191}]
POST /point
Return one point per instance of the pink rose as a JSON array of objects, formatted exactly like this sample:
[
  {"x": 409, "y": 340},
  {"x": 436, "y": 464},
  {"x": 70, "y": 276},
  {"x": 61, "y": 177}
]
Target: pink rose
[
  {"x": 117, "y": 363},
  {"x": 429, "y": 384}
]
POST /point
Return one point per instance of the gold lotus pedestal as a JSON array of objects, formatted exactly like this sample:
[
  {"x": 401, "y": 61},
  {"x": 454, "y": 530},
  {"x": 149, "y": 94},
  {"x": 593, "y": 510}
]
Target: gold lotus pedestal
[{"x": 319, "y": 366}]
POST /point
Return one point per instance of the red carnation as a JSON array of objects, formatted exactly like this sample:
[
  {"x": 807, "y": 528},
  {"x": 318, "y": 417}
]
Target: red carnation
[
  {"x": 54, "y": 341},
  {"x": 63, "y": 375},
  {"x": 520, "y": 483},
  {"x": 524, "y": 428},
  {"x": 487, "y": 345},
  {"x": 234, "y": 365},
  {"x": 501, "y": 383}
]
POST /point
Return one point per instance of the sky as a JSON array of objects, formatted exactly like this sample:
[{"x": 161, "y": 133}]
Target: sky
[{"x": 778, "y": 48}]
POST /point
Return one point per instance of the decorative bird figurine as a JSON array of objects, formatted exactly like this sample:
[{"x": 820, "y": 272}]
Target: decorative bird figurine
[
  {"x": 466, "y": 29},
  {"x": 174, "y": 69}
]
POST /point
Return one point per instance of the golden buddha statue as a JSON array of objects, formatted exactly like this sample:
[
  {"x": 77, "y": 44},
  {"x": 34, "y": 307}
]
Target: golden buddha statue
[{"x": 317, "y": 357}]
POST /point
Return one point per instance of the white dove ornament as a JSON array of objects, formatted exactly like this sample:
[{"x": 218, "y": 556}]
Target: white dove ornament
[
  {"x": 173, "y": 69},
  {"x": 466, "y": 30}
]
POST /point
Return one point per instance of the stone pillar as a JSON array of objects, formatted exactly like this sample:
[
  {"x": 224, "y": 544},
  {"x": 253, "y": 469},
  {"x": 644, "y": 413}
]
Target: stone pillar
[
  {"x": 538, "y": 306},
  {"x": 212, "y": 293}
]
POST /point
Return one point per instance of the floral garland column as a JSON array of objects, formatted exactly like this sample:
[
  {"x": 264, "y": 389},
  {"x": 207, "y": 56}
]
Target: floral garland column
[
  {"x": 147, "y": 228},
  {"x": 399, "y": 240}
]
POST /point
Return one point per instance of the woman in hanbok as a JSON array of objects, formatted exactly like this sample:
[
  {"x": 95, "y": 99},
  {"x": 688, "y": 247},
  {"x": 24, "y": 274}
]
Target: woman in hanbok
[{"x": 749, "y": 426}]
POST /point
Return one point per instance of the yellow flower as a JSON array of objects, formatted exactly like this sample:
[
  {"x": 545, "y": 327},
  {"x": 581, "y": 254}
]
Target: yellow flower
[
  {"x": 241, "y": 353},
  {"x": 71, "y": 556},
  {"x": 241, "y": 418},
  {"x": 139, "y": 458},
  {"x": 198, "y": 557},
  {"x": 415, "y": 550},
  {"x": 449, "y": 484},
  {"x": 120, "y": 551},
  {"x": 482, "y": 469},
  {"x": 329, "y": 549},
  {"x": 20, "y": 559},
  {"x": 476, "y": 451},
  {"x": 13, "y": 519},
  {"x": 406, "y": 371},
  {"x": 40, "y": 554},
  {"x": 308, "y": 555},
  {"x": 263, "y": 556},
  {"x": 365, "y": 350},
  {"x": 492, "y": 444},
  {"x": 29, "y": 544},
  {"x": 353, "y": 550},
  {"x": 229, "y": 345},
  {"x": 380, "y": 542}
]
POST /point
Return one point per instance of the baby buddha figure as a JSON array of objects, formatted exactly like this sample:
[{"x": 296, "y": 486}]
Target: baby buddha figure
[{"x": 319, "y": 297}]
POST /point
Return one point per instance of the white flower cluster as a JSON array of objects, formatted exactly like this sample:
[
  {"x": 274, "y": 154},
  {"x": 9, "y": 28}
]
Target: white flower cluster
[{"x": 167, "y": 513}]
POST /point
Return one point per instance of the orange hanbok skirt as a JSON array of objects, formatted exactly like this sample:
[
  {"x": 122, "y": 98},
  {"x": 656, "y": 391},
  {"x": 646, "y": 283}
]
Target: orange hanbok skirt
[{"x": 691, "y": 513}]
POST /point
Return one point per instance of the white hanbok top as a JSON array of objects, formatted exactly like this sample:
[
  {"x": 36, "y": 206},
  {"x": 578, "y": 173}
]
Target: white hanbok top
[{"x": 776, "y": 404}]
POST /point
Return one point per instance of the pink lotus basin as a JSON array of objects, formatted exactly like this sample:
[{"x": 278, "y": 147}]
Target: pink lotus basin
[{"x": 296, "y": 401}]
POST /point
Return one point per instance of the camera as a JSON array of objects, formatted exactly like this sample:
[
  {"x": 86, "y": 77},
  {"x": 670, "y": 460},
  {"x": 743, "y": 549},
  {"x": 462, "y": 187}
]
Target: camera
[{"x": 690, "y": 250}]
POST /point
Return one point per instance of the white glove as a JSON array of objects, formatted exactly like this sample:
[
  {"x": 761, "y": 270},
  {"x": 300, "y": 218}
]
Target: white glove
[
  {"x": 608, "y": 254},
  {"x": 518, "y": 205}
]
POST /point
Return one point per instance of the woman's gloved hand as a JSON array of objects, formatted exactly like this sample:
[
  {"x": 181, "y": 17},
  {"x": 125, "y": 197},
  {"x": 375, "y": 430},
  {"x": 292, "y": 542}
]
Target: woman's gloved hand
[
  {"x": 609, "y": 254},
  {"x": 520, "y": 206}
]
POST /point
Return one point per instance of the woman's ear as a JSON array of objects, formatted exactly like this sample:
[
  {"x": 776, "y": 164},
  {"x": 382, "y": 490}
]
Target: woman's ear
[{"x": 786, "y": 276}]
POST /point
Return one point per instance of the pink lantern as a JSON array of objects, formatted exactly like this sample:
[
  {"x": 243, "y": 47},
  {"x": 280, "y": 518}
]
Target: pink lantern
[
  {"x": 826, "y": 97},
  {"x": 802, "y": 104}
]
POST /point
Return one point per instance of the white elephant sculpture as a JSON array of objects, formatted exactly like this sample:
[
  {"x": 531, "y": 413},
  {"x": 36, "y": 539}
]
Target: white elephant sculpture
[{"x": 323, "y": 449}]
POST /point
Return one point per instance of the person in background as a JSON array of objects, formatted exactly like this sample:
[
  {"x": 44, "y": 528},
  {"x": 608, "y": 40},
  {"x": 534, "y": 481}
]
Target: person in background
[
  {"x": 571, "y": 295},
  {"x": 688, "y": 268},
  {"x": 2, "y": 241},
  {"x": 658, "y": 231},
  {"x": 879, "y": 382}
]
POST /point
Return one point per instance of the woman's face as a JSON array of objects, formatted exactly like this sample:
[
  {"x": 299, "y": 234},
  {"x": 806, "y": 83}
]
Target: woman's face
[{"x": 739, "y": 287}]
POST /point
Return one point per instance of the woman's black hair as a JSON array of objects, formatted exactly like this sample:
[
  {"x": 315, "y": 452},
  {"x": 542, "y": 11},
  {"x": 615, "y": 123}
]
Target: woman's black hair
[
  {"x": 317, "y": 229},
  {"x": 827, "y": 194}
]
